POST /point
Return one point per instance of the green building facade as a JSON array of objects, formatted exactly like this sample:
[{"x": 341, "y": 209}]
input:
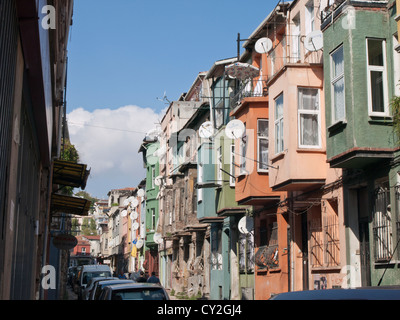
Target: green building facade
[{"x": 359, "y": 80}]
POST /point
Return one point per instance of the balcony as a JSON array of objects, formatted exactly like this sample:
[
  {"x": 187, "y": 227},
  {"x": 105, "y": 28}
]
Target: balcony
[{"x": 249, "y": 89}]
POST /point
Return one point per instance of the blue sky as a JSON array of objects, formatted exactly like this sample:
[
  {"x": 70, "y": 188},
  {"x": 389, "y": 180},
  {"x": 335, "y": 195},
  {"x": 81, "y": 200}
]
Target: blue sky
[{"x": 128, "y": 53}]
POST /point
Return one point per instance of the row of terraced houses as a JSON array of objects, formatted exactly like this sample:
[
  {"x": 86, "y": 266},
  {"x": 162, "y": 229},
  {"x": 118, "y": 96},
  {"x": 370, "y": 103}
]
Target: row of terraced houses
[{"x": 278, "y": 170}]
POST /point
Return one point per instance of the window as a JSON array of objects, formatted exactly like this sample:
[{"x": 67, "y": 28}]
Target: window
[
  {"x": 219, "y": 164},
  {"x": 377, "y": 78},
  {"x": 153, "y": 218},
  {"x": 382, "y": 223},
  {"x": 243, "y": 154},
  {"x": 323, "y": 227},
  {"x": 216, "y": 249},
  {"x": 310, "y": 17},
  {"x": 153, "y": 176},
  {"x": 279, "y": 124},
  {"x": 296, "y": 39},
  {"x": 337, "y": 85},
  {"x": 309, "y": 118},
  {"x": 232, "y": 179},
  {"x": 267, "y": 256},
  {"x": 246, "y": 252},
  {"x": 200, "y": 180},
  {"x": 262, "y": 144}
]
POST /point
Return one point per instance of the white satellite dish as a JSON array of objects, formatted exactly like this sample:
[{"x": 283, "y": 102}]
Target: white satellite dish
[
  {"x": 126, "y": 202},
  {"x": 134, "y": 202},
  {"x": 124, "y": 213},
  {"x": 246, "y": 224},
  {"x": 314, "y": 41},
  {"x": 140, "y": 193},
  {"x": 134, "y": 215},
  {"x": 263, "y": 45},
  {"x": 139, "y": 243},
  {"x": 206, "y": 130},
  {"x": 235, "y": 129},
  {"x": 158, "y": 238},
  {"x": 158, "y": 181},
  {"x": 135, "y": 225}
]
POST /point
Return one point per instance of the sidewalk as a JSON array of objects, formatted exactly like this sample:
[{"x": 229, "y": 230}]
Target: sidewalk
[{"x": 71, "y": 294}]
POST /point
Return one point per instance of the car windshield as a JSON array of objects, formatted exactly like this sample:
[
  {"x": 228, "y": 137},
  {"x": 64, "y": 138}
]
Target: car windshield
[
  {"x": 89, "y": 275},
  {"x": 139, "y": 294}
]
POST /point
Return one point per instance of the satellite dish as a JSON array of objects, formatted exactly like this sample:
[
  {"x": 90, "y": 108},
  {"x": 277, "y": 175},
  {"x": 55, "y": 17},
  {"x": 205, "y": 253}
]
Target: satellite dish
[
  {"x": 158, "y": 181},
  {"x": 206, "y": 130},
  {"x": 134, "y": 215},
  {"x": 135, "y": 225},
  {"x": 235, "y": 129},
  {"x": 246, "y": 224},
  {"x": 263, "y": 45},
  {"x": 314, "y": 41},
  {"x": 124, "y": 213},
  {"x": 158, "y": 238},
  {"x": 139, "y": 243},
  {"x": 126, "y": 202},
  {"x": 134, "y": 202},
  {"x": 140, "y": 193}
]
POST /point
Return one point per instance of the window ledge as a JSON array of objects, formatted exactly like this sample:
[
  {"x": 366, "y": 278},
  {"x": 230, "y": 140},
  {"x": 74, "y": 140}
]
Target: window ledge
[
  {"x": 381, "y": 120},
  {"x": 385, "y": 263},
  {"x": 310, "y": 150},
  {"x": 337, "y": 125},
  {"x": 277, "y": 157}
]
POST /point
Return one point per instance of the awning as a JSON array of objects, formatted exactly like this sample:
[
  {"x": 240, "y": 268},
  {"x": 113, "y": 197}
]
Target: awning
[
  {"x": 71, "y": 174},
  {"x": 70, "y": 205}
]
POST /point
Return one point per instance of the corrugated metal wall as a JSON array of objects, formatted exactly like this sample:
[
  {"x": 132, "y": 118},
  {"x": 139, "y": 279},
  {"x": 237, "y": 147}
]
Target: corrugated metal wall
[{"x": 8, "y": 54}]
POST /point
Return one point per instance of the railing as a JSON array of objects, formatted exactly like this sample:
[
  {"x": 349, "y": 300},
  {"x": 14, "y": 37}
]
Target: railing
[{"x": 249, "y": 88}]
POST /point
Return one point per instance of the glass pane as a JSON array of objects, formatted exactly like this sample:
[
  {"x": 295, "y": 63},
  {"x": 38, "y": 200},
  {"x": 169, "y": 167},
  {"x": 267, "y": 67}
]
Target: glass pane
[
  {"x": 263, "y": 128},
  {"x": 263, "y": 154},
  {"x": 309, "y": 130},
  {"x": 377, "y": 91},
  {"x": 338, "y": 96},
  {"x": 279, "y": 107},
  {"x": 337, "y": 63},
  {"x": 375, "y": 55},
  {"x": 308, "y": 99}
]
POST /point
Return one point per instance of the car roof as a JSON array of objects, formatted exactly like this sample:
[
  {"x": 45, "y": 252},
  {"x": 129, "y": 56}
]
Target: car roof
[
  {"x": 367, "y": 293},
  {"x": 134, "y": 285},
  {"x": 114, "y": 281},
  {"x": 99, "y": 279},
  {"x": 95, "y": 266}
]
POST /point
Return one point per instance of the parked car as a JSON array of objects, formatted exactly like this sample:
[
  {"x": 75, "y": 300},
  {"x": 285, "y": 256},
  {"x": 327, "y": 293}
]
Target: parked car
[
  {"x": 134, "y": 291},
  {"x": 365, "y": 293},
  {"x": 89, "y": 287},
  {"x": 91, "y": 271},
  {"x": 100, "y": 284}
]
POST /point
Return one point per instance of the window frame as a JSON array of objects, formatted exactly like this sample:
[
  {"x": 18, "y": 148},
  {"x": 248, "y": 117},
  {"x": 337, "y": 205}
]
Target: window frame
[
  {"x": 259, "y": 138},
  {"x": 308, "y": 112},
  {"x": 334, "y": 80},
  {"x": 279, "y": 146},
  {"x": 382, "y": 69},
  {"x": 232, "y": 179}
]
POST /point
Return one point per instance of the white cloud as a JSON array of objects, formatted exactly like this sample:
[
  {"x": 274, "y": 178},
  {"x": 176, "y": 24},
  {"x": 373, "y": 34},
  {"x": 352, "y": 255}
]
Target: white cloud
[{"x": 108, "y": 141}]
